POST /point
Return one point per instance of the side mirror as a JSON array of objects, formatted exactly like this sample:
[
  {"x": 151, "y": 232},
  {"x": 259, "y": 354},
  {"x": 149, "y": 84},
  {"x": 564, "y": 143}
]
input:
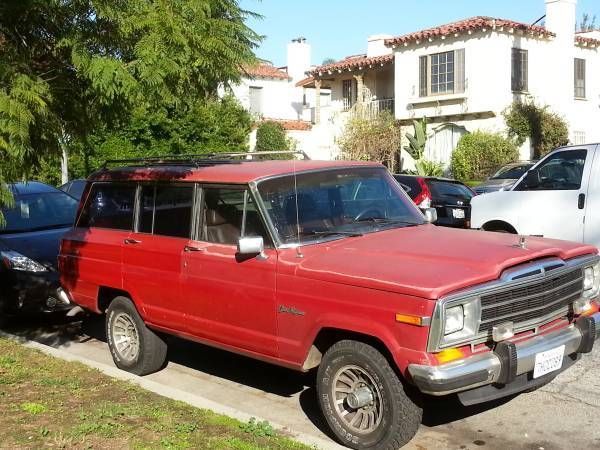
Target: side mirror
[
  {"x": 430, "y": 214},
  {"x": 532, "y": 179},
  {"x": 251, "y": 246}
]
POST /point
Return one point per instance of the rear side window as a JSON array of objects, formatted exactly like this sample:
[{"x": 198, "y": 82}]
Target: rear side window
[
  {"x": 448, "y": 189},
  {"x": 166, "y": 210},
  {"x": 414, "y": 188},
  {"x": 109, "y": 206}
]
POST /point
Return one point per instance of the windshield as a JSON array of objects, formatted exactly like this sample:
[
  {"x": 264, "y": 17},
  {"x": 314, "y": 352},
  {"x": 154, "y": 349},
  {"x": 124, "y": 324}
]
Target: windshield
[
  {"x": 336, "y": 203},
  {"x": 32, "y": 212},
  {"x": 511, "y": 172}
]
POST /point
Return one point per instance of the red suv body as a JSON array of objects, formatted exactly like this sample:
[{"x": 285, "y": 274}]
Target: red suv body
[{"x": 327, "y": 264}]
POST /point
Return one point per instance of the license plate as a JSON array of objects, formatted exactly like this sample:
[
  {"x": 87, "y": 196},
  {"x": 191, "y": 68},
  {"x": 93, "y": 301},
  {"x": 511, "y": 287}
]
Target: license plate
[
  {"x": 458, "y": 213},
  {"x": 548, "y": 361}
]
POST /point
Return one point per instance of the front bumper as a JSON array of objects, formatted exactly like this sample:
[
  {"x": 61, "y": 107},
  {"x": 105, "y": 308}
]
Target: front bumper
[
  {"x": 30, "y": 293},
  {"x": 508, "y": 364}
]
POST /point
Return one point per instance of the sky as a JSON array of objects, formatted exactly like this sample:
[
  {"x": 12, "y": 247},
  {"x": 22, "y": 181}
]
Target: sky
[{"x": 338, "y": 28}]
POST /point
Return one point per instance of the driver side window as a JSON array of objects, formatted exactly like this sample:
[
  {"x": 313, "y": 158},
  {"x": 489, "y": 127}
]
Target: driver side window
[{"x": 562, "y": 171}]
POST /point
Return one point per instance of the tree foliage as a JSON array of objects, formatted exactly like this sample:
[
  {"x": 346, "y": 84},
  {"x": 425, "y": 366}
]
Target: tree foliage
[
  {"x": 208, "y": 126},
  {"x": 270, "y": 136},
  {"x": 480, "y": 154},
  {"x": 587, "y": 23},
  {"x": 546, "y": 129},
  {"x": 71, "y": 68},
  {"x": 371, "y": 139},
  {"x": 417, "y": 141}
]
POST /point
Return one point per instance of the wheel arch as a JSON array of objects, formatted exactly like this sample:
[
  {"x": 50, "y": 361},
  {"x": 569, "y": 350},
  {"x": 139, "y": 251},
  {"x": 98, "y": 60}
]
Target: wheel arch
[
  {"x": 327, "y": 336},
  {"x": 107, "y": 294}
]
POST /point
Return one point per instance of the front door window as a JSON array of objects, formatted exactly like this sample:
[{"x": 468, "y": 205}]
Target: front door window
[{"x": 563, "y": 171}]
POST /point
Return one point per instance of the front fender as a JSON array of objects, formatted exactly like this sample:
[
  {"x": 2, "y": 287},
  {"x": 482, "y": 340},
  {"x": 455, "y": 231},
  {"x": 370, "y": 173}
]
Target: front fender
[{"x": 503, "y": 206}]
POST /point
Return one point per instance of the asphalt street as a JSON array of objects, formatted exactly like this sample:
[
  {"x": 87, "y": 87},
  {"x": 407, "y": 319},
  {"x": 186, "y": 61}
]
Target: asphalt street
[{"x": 564, "y": 414}]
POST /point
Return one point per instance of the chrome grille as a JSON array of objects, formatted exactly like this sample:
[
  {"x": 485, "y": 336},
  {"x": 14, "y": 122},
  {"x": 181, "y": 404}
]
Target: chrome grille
[{"x": 549, "y": 297}]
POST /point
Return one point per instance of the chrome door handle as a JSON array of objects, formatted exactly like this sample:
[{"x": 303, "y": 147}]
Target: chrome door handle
[
  {"x": 132, "y": 241},
  {"x": 191, "y": 248}
]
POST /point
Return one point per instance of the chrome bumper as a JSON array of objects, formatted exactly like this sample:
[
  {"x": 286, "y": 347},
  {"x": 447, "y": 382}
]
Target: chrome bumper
[{"x": 505, "y": 363}]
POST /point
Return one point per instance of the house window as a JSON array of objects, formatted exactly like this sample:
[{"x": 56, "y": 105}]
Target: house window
[
  {"x": 578, "y": 137},
  {"x": 519, "y": 70},
  {"x": 442, "y": 73},
  {"x": 256, "y": 100},
  {"x": 579, "y": 78},
  {"x": 348, "y": 93}
]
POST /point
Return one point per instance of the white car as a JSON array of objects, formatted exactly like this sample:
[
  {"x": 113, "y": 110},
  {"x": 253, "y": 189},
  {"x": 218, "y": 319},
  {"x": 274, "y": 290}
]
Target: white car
[{"x": 558, "y": 198}]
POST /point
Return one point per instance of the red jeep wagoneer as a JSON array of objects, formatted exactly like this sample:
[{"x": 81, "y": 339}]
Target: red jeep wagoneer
[{"x": 328, "y": 265}]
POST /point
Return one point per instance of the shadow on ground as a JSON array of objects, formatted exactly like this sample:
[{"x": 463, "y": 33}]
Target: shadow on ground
[{"x": 60, "y": 331}]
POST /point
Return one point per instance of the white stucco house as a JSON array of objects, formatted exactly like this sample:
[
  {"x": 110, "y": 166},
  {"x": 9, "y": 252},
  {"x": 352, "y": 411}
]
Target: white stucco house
[
  {"x": 271, "y": 93},
  {"x": 463, "y": 75}
]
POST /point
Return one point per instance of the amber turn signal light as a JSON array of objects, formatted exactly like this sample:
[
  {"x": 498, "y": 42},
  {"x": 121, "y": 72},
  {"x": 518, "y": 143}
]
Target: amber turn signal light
[{"x": 412, "y": 320}]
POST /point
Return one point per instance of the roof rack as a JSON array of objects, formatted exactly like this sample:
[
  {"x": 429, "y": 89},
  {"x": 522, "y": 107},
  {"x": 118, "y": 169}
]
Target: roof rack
[{"x": 199, "y": 160}]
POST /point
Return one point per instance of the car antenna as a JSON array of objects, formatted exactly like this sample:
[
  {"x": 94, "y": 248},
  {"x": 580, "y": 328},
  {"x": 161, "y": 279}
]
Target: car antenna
[{"x": 298, "y": 251}]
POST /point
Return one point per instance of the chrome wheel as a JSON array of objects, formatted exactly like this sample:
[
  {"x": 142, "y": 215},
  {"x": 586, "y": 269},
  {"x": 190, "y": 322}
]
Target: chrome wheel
[
  {"x": 126, "y": 338},
  {"x": 358, "y": 400}
]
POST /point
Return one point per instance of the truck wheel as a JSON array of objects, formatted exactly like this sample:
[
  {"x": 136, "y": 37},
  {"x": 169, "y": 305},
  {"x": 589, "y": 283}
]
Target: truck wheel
[
  {"x": 363, "y": 400},
  {"x": 133, "y": 346}
]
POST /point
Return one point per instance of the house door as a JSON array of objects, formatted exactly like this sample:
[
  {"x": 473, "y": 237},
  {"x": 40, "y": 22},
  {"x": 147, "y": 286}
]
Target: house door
[{"x": 442, "y": 142}]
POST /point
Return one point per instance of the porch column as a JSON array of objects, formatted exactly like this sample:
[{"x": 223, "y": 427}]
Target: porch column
[
  {"x": 360, "y": 84},
  {"x": 317, "y": 102}
]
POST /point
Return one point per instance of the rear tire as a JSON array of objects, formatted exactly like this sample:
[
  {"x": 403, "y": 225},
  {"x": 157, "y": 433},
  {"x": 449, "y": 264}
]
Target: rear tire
[
  {"x": 133, "y": 346},
  {"x": 384, "y": 416}
]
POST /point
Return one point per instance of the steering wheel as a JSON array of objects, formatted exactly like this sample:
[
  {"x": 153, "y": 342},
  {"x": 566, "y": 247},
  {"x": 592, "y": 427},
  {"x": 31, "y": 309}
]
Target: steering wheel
[{"x": 366, "y": 213}]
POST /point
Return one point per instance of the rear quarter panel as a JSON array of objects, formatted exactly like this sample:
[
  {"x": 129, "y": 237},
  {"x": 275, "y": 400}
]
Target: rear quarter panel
[{"x": 91, "y": 258}]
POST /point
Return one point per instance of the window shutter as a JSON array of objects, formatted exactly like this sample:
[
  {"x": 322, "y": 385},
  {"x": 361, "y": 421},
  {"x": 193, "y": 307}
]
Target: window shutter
[
  {"x": 459, "y": 71},
  {"x": 423, "y": 76}
]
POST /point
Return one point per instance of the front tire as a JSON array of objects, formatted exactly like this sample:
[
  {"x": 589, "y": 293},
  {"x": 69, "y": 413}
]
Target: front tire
[
  {"x": 363, "y": 399},
  {"x": 133, "y": 346}
]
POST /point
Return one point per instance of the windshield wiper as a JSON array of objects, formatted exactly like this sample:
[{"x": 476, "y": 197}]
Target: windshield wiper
[
  {"x": 333, "y": 233},
  {"x": 384, "y": 221}
]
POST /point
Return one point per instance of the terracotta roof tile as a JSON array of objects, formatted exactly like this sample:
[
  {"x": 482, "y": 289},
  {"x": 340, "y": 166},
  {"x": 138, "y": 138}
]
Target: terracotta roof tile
[
  {"x": 292, "y": 125},
  {"x": 582, "y": 40},
  {"x": 266, "y": 71},
  {"x": 472, "y": 24},
  {"x": 353, "y": 62}
]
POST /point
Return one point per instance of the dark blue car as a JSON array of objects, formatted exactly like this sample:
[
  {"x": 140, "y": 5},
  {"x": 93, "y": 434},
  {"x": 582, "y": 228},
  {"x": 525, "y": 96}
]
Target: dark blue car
[{"x": 29, "y": 243}]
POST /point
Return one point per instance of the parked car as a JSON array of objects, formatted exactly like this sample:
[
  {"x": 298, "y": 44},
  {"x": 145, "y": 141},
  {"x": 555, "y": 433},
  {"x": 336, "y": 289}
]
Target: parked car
[
  {"x": 450, "y": 198},
  {"x": 74, "y": 188},
  {"x": 327, "y": 265},
  {"x": 29, "y": 244},
  {"x": 559, "y": 198},
  {"x": 504, "y": 178}
]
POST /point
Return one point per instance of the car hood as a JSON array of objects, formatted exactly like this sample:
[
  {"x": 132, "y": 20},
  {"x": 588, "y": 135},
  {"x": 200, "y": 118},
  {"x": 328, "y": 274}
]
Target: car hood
[
  {"x": 424, "y": 261},
  {"x": 41, "y": 246},
  {"x": 497, "y": 183}
]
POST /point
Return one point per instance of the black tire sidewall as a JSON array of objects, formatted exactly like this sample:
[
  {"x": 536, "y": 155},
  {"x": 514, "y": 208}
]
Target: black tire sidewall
[
  {"x": 122, "y": 305},
  {"x": 337, "y": 360}
]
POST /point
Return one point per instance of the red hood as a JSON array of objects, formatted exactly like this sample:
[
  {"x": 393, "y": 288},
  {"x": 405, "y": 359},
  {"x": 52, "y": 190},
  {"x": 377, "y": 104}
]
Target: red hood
[{"x": 425, "y": 261}]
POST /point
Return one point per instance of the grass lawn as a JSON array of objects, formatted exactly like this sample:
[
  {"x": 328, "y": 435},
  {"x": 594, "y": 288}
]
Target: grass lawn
[{"x": 50, "y": 403}]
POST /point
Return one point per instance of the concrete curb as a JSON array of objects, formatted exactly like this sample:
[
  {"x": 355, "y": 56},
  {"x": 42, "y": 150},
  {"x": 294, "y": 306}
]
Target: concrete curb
[{"x": 171, "y": 392}]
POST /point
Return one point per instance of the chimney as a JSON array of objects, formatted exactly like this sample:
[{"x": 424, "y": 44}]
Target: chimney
[
  {"x": 298, "y": 58},
  {"x": 376, "y": 45},
  {"x": 560, "y": 19}
]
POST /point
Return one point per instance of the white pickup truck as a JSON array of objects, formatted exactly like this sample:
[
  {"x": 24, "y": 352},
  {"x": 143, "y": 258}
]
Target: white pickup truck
[{"x": 558, "y": 198}]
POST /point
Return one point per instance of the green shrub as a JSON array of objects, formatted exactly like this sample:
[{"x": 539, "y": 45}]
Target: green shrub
[
  {"x": 270, "y": 137},
  {"x": 547, "y": 130},
  {"x": 479, "y": 154}
]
